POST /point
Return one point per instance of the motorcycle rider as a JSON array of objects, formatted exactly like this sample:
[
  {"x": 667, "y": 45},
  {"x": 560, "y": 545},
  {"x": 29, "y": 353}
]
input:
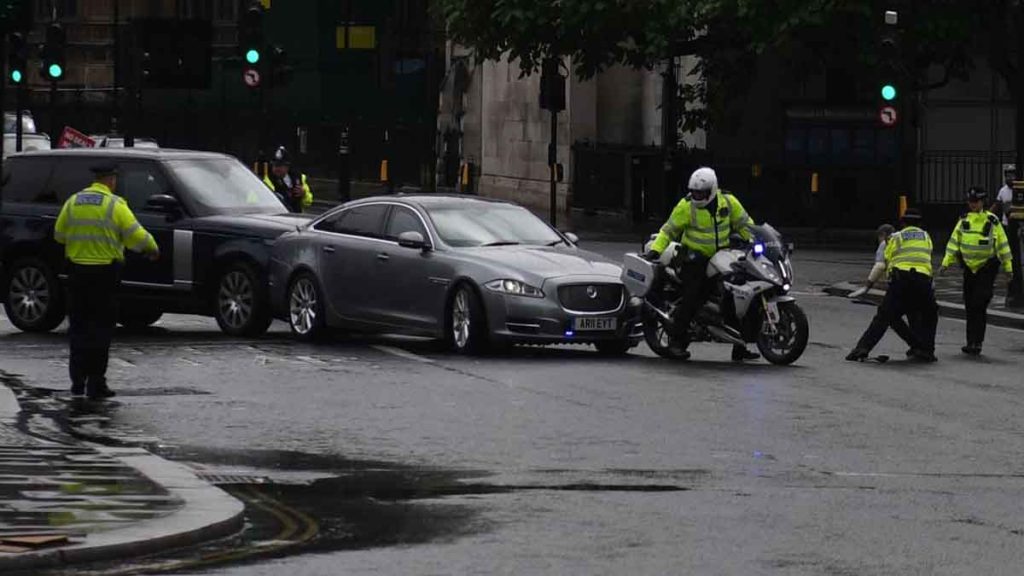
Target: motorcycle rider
[{"x": 702, "y": 222}]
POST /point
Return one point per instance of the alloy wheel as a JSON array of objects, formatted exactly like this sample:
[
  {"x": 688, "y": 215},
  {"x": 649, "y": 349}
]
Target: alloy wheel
[
  {"x": 235, "y": 300},
  {"x": 29, "y": 294},
  {"x": 303, "y": 306},
  {"x": 461, "y": 320}
]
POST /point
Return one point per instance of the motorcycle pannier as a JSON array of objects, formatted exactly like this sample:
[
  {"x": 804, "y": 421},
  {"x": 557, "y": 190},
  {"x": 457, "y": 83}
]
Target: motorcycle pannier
[{"x": 638, "y": 275}]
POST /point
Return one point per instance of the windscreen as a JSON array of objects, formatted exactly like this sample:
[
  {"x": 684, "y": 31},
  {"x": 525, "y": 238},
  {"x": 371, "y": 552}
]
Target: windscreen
[
  {"x": 224, "y": 186},
  {"x": 487, "y": 224}
]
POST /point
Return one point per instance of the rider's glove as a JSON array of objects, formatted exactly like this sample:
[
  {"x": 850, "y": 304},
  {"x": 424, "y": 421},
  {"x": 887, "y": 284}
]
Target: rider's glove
[{"x": 651, "y": 256}]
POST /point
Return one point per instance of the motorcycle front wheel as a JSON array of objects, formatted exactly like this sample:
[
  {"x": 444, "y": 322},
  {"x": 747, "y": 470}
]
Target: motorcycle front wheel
[
  {"x": 789, "y": 341},
  {"x": 657, "y": 336}
]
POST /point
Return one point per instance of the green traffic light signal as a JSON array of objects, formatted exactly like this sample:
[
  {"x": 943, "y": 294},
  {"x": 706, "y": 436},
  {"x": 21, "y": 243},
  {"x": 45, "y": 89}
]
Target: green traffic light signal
[
  {"x": 252, "y": 56},
  {"x": 888, "y": 92},
  {"x": 55, "y": 71},
  {"x": 16, "y": 76}
]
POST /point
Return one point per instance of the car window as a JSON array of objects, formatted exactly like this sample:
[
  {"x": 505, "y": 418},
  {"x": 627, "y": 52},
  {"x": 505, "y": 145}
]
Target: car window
[
  {"x": 358, "y": 221},
  {"x": 25, "y": 181},
  {"x": 137, "y": 182},
  {"x": 70, "y": 176},
  {"x": 221, "y": 185},
  {"x": 403, "y": 220}
]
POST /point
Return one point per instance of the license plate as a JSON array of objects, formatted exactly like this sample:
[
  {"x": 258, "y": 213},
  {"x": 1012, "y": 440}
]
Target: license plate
[{"x": 596, "y": 324}]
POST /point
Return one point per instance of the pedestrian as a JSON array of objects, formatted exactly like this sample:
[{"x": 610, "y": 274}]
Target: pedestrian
[
  {"x": 908, "y": 257},
  {"x": 1002, "y": 207},
  {"x": 290, "y": 186},
  {"x": 95, "y": 227},
  {"x": 878, "y": 269},
  {"x": 979, "y": 245}
]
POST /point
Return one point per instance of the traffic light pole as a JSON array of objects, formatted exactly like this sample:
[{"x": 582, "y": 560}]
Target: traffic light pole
[
  {"x": 53, "y": 111},
  {"x": 18, "y": 129}
]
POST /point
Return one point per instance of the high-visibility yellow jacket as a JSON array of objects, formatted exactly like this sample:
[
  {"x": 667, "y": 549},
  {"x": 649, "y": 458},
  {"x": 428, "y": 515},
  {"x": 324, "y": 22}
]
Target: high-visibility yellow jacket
[
  {"x": 978, "y": 238},
  {"x": 96, "y": 226},
  {"x": 307, "y": 194},
  {"x": 705, "y": 230},
  {"x": 910, "y": 249}
]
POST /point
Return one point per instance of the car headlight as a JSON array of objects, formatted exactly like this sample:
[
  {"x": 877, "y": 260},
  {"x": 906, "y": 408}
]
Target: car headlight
[{"x": 515, "y": 288}]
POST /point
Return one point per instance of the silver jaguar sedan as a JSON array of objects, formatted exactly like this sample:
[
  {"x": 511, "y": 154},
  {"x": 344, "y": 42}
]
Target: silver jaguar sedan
[{"x": 471, "y": 271}]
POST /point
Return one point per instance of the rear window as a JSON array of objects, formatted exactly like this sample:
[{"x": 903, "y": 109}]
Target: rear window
[{"x": 25, "y": 181}]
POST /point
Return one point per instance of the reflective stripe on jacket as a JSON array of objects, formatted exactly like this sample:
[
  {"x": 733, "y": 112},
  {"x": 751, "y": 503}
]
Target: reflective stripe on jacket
[
  {"x": 978, "y": 238},
  {"x": 96, "y": 226},
  {"x": 307, "y": 192},
  {"x": 910, "y": 249},
  {"x": 705, "y": 230}
]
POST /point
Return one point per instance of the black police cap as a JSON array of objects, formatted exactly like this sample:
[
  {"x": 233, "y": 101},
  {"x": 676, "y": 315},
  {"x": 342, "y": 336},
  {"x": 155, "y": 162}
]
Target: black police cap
[
  {"x": 104, "y": 169},
  {"x": 912, "y": 215},
  {"x": 976, "y": 193}
]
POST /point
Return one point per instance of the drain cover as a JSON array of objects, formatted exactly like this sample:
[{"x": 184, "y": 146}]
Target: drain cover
[
  {"x": 213, "y": 478},
  {"x": 161, "y": 392}
]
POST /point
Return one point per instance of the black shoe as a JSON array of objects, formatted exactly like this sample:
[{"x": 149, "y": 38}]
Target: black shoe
[
  {"x": 740, "y": 354},
  {"x": 922, "y": 356},
  {"x": 102, "y": 394},
  {"x": 972, "y": 350},
  {"x": 857, "y": 355},
  {"x": 678, "y": 349}
]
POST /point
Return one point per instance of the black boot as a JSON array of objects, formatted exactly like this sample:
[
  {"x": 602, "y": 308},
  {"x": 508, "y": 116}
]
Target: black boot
[
  {"x": 741, "y": 354},
  {"x": 857, "y": 355}
]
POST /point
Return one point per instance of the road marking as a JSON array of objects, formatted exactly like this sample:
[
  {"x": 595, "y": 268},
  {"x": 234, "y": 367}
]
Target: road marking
[
  {"x": 121, "y": 363},
  {"x": 402, "y": 354},
  {"x": 311, "y": 360}
]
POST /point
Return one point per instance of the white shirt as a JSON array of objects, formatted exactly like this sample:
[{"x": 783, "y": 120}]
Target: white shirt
[
  {"x": 288, "y": 181},
  {"x": 1006, "y": 197}
]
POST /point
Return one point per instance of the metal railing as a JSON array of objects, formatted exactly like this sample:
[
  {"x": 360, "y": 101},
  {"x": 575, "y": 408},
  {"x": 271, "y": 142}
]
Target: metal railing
[{"x": 944, "y": 177}]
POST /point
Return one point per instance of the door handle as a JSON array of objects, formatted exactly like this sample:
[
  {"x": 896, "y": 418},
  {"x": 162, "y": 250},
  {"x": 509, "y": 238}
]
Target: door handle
[
  {"x": 329, "y": 249},
  {"x": 383, "y": 257}
]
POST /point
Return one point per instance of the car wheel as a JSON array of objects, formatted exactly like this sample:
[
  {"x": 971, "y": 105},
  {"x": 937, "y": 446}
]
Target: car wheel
[
  {"x": 138, "y": 318},
  {"x": 613, "y": 348},
  {"x": 467, "y": 324},
  {"x": 35, "y": 299},
  {"x": 243, "y": 307},
  {"x": 305, "y": 308}
]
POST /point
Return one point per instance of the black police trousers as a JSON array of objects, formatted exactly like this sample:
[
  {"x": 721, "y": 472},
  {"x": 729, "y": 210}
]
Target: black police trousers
[
  {"x": 92, "y": 315},
  {"x": 978, "y": 290},
  {"x": 910, "y": 294},
  {"x": 695, "y": 290}
]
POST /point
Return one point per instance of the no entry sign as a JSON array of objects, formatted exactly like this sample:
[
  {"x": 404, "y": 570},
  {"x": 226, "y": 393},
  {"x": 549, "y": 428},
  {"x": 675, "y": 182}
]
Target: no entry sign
[{"x": 251, "y": 77}]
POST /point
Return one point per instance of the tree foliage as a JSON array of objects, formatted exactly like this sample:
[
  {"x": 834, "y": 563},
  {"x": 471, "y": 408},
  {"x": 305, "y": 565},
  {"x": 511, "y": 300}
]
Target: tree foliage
[{"x": 940, "y": 38}]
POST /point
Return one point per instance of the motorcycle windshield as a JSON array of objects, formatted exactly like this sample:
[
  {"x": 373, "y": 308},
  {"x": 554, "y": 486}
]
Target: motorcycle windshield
[{"x": 768, "y": 237}]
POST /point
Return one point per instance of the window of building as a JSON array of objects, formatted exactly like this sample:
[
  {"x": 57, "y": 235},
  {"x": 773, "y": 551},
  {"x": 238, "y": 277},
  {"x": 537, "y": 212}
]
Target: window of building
[
  {"x": 199, "y": 9},
  {"x": 227, "y": 10}
]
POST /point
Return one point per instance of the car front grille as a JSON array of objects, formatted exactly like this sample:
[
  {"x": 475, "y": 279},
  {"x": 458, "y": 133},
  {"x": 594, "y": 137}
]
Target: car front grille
[{"x": 591, "y": 298}]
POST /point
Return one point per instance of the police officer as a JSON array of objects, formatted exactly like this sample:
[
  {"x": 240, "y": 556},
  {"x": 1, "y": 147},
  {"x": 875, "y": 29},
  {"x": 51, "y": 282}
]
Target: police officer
[
  {"x": 95, "y": 227},
  {"x": 290, "y": 186},
  {"x": 908, "y": 255},
  {"x": 980, "y": 245},
  {"x": 702, "y": 222}
]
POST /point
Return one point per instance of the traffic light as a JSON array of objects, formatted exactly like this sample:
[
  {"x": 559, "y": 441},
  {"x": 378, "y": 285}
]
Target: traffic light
[
  {"x": 250, "y": 35},
  {"x": 53, "y": 53},
  {"x": 17, "y": 58},
  {"x": 280, "y": 70},
  {"x": 890, "y": 54},
  {"x": 552, "y": 87}
]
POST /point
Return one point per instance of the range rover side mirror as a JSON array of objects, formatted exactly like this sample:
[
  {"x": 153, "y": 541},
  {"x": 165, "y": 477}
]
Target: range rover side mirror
[
  {"x": 164, "y": 203},
  {"x": 413, "y": 240}
]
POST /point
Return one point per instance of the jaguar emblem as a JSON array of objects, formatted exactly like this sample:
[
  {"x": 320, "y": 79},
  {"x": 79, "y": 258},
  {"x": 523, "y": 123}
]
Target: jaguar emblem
[{"x": 592, "y": 292}]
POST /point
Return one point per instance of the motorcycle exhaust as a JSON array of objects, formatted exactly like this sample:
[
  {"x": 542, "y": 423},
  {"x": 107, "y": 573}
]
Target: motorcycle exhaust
[{"x": 726, "y": 335}]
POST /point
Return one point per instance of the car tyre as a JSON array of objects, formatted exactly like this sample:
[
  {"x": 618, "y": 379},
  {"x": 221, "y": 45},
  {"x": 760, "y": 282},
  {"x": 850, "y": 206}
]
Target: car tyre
[
  {"x": 241, "y": 301},
  {"x": 613, "y": 348},
  {"x": 35, "y": 298},
  {"x": 306, "y": 308},
  {"x": 467, "y": 323},
  {"x": 134, "y": 318}
]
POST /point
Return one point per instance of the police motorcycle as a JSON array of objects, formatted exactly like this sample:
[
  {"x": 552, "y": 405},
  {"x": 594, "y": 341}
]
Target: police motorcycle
[{"x": 749, "y": 301}]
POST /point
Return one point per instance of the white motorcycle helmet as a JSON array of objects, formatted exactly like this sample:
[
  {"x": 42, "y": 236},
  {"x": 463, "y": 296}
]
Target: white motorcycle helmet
[{"x": 703, "y": 187}]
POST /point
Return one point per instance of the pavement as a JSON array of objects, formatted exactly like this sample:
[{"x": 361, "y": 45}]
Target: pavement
[{"x": 101, "y": 503}]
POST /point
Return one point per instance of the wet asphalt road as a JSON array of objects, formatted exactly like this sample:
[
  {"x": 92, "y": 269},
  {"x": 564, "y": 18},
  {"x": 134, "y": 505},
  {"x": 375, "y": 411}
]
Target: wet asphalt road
[{"x": 415, "y": 461}]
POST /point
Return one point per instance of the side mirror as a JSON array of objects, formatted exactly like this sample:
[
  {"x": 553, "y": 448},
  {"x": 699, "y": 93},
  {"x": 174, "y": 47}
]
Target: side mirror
[
  {"x": 572, "y": 237},
  {"x": 163, "y": 203},
  {"x": 413, "y": 240}
]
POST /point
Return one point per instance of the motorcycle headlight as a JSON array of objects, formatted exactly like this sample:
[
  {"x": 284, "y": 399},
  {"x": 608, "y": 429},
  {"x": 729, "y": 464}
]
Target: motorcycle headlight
[{"x": 514, "y": 288}]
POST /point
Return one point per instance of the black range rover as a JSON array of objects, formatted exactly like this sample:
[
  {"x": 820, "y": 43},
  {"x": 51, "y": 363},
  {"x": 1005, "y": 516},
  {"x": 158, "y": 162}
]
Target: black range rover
[{"x": 214, "y": 220}]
